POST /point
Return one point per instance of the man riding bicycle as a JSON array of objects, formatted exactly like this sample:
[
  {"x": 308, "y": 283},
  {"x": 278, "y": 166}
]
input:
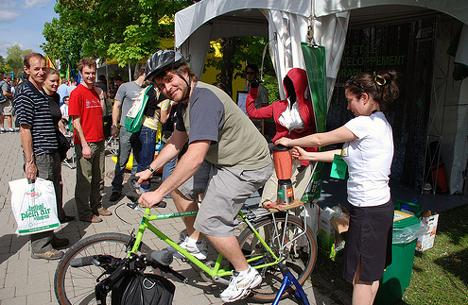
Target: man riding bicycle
[{"x": 227, "y": 159}]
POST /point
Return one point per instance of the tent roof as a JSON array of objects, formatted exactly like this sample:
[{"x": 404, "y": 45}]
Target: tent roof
[{"x": 242, "y": 17}]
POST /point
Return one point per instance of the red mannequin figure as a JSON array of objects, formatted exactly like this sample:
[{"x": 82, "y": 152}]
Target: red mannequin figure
[{"x": 294, "y": 118}]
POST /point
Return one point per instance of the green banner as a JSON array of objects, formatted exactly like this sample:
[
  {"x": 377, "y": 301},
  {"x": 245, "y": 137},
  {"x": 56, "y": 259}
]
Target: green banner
[{"x": 314, "y": 58}]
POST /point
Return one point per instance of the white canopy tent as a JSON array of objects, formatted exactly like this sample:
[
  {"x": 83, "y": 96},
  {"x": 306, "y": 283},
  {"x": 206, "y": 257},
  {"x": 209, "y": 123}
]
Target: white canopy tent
[{"x": 286, "y": 24}]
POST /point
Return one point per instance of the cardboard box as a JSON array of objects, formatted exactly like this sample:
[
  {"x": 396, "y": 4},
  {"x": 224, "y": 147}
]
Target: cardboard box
[
  {"x": 341, "y": 223},
  {"x": 426, "y": 241}
]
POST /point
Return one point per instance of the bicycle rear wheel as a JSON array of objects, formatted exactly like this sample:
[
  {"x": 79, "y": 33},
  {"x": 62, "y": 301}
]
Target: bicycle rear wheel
[
  {"x": 75, "y": 285},
  {"x": 288, "y": 238}
]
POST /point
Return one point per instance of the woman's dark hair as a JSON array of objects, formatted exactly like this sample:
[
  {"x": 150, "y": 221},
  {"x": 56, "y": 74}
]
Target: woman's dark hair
[{"x": 381, "y": 85}]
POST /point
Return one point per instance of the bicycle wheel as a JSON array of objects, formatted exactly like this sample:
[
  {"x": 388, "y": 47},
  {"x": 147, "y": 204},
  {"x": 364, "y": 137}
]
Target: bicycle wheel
[
  {"x": 75, "y": 285},
  {"x": 286, "y": 236}
]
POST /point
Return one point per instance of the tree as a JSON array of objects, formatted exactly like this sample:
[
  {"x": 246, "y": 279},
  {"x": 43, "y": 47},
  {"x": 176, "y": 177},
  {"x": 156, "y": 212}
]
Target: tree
[
  {"x": 15, "y": 57},
  {"x": 4, "y": 67},
  {"x": 238, "y": 51},
  {"x": 126, "y": 31}
]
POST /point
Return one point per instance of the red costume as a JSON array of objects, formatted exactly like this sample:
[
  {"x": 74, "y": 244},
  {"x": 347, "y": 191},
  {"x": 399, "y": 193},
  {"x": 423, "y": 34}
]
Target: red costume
[{"x": 296, "y": 89}]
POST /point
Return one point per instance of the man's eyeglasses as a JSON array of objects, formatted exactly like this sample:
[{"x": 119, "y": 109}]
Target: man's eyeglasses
[{"x": 249, "y": 72}]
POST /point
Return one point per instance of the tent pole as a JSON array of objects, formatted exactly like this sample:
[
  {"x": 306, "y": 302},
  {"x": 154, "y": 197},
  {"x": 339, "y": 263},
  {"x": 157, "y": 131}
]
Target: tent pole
[
  {"x": 107, "y": 75},
  {"x": 129, "y": 72}
]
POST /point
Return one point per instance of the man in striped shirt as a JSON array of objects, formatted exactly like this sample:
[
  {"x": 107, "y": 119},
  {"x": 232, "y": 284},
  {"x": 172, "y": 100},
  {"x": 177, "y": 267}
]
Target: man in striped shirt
[{"x": 40, "y": 146}]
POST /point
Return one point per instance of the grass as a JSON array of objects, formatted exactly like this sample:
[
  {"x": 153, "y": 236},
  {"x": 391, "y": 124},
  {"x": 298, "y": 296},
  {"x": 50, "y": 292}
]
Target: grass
[{"x": 440, "y": 274}]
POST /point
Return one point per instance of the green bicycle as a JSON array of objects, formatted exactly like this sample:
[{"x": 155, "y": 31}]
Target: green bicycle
[{"x": 266, "y": 239}]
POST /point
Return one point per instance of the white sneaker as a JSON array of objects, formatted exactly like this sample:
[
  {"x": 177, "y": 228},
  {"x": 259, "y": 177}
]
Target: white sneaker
[
  {"x": 241, "y": 284},
  {"x": 197, "y": 248},
  {"x": 11, "y": 130}
]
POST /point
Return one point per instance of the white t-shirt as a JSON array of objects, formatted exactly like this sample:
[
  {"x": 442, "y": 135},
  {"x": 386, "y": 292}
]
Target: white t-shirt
[
  {"x": 64, "y": 111},
  {"x": 369, "y": 159}
]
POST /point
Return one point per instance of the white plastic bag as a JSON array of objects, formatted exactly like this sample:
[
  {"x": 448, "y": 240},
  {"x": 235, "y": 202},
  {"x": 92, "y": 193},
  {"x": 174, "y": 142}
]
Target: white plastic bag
[{"x": 34, "y": 206}]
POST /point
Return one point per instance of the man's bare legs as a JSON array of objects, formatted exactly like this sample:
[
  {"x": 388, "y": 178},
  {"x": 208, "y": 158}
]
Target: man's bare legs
[
  {"x": 230, "y": 249},
  {"x": 227, "y": 246},
  {"x": 9, "y": 122},
  {"x": 184, "y": 205}
]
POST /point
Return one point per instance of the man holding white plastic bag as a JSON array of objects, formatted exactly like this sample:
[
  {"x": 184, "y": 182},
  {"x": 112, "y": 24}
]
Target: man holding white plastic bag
[{"x": 40, "y": 146}]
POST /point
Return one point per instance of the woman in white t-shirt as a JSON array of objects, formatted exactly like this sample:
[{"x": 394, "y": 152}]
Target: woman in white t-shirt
[{"x": 368, "y": 152}]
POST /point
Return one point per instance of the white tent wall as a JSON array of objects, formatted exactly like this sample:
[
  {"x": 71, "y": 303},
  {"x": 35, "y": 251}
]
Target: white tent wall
[
  {"x": 459, "y": 174},
  {"x": 196, "y": 48},
  {"x": 448, "y": 119},
  {"x": 287, "y": 31},
  {"x": 454, "y": 8},
  {"x": 460, "y": 149}
]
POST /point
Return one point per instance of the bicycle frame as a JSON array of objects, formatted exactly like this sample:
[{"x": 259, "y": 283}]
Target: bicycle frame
[{"x": 216, "y": 271}]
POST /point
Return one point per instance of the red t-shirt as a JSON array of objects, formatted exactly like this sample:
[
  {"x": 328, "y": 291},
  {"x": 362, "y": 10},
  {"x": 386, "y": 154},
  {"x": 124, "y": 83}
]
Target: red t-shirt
[{"x": 85, "y": 103}]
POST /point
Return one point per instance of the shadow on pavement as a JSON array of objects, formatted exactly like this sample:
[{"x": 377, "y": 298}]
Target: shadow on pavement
[
  {"x": 14, "y": 242},
  {"x": 73, "y": 230}
]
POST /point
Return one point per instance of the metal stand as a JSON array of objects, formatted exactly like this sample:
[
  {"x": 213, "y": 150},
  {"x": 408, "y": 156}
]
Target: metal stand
[
  {"x": 434, "y": 161},
  {"x": 70, "y": 162},
  {"x": 288, "y": 281},
  {"x": 112, "y": 146}
]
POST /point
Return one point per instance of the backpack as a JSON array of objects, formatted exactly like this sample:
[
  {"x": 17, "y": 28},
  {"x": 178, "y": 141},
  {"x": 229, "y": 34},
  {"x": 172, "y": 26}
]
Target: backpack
[
  {"x": 135, "y": 288},
  {"x": 134, "y": 117},
  {"x": 2, "y": 97}
]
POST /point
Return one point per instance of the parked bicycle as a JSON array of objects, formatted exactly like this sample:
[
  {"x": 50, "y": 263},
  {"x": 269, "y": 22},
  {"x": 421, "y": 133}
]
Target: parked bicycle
[{"x": 267, "y": 239}]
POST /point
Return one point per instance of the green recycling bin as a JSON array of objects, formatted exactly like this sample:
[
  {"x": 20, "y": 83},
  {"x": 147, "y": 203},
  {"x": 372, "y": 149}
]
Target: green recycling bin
[{"x": 397, "y": 276}]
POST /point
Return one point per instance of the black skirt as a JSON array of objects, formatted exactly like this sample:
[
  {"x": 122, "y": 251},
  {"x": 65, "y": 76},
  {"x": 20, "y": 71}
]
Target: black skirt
[{"x": 369, "y": 241}]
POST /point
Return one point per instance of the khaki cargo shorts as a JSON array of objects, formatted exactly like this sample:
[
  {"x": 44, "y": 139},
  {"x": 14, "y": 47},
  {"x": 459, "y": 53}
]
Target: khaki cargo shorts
[{"x": 226, "y": 189}]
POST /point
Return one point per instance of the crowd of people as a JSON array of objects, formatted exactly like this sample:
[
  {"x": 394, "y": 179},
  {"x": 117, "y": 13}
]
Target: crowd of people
[
  {"x": 225, "y": 158},
  {"x": 7, "y": 110},
  {"x": 49, "y": 109}
]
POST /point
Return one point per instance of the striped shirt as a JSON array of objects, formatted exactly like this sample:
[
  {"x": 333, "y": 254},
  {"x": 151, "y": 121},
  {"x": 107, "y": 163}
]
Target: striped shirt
[{"x": 32, "y": 109}]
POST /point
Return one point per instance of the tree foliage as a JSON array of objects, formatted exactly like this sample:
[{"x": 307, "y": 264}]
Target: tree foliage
[
  {"x": 130, "y": 30},
  {"x": 126, "y": 31},
  {"x": 14, "y": 59},
  {"x": 239, "y": 51},
  {"x": 4, "y": 67}
]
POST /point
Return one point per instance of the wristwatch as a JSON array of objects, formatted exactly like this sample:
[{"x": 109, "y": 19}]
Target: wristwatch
[{"x": 152, "y": 170}]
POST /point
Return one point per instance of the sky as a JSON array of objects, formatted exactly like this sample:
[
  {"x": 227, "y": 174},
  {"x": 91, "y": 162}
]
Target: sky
[{"x": 22, "y": 21}]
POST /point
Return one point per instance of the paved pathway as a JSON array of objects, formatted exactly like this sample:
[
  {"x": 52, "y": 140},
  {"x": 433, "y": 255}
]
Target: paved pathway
[{"x": 26, "y": 281}]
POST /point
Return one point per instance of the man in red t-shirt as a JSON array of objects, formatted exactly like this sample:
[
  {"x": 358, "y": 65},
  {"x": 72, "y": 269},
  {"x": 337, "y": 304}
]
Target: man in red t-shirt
[{"x": 86, "y": 107}]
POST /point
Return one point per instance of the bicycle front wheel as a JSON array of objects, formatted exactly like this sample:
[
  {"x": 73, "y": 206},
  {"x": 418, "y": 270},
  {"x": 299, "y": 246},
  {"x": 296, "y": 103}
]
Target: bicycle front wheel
[
  {"x": 290, "y": 241},
  {"x": 76, "y": 285}
]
